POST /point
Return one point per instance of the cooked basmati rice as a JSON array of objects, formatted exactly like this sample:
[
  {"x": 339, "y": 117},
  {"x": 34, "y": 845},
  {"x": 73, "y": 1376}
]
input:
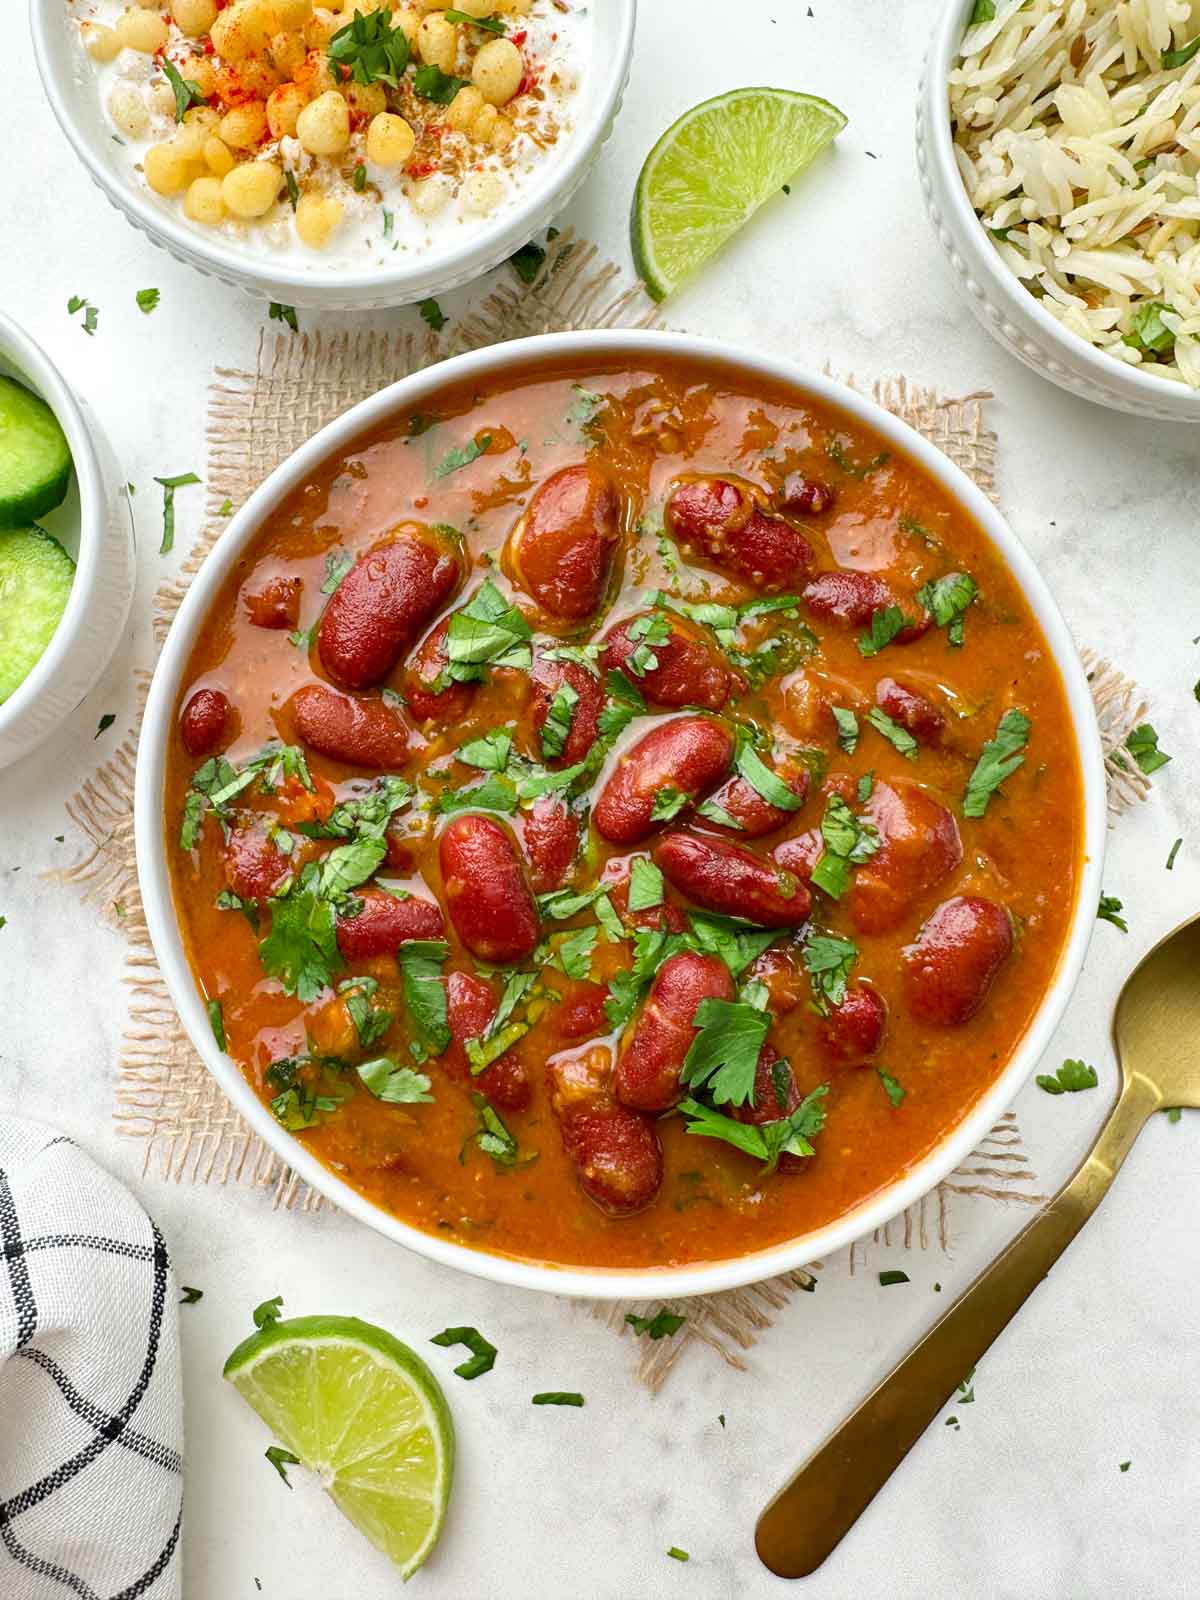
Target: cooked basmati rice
[{"x": 1080, "y": 151}]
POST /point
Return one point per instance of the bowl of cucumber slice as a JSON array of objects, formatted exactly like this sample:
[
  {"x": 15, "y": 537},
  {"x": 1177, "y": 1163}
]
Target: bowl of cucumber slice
[{"x": 66, "y": 547}]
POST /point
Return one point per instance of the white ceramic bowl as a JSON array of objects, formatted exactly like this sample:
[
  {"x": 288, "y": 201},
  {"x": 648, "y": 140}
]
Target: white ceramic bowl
[
  {"x": 69, "y": 82},
  {"x": 1001, "y": 302},
  {"x": 94, "y": 524},
  {"x": 486, "y": 367}
]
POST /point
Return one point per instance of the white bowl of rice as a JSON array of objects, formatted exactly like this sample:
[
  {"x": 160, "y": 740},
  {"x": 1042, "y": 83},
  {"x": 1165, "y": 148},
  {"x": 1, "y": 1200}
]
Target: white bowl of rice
[{"x": 1058, "y": 143}]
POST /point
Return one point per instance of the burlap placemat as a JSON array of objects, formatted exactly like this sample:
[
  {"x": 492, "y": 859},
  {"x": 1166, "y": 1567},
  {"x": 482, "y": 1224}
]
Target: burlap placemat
[{"x": 165, "y": 1097}]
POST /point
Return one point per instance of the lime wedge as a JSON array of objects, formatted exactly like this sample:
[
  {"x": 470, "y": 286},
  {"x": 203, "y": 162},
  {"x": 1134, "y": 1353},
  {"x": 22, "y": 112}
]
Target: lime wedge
[
  {"x": 711, "y": 171},
  {"x": 364, "y": 1413}
]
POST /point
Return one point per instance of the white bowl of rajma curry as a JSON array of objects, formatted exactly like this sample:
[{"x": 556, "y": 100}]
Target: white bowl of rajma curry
[{"x": 620, "y": 814}]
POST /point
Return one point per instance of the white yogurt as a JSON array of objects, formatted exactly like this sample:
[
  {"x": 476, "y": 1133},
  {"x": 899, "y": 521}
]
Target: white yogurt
[{"x": 381, "y": 220}]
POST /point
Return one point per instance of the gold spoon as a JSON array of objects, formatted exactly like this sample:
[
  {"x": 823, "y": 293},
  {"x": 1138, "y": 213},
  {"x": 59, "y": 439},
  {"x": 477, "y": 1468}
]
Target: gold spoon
[{"x": 1157, "y": 1032}]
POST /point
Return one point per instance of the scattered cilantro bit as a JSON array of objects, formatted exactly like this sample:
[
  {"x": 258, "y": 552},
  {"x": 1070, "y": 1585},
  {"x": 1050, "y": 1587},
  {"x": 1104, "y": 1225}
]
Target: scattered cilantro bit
[
  {"x": 394, "y": 1084},
  {"x": 486, "y": 632},
  {"x": 483, "y": 1353},
  {"x": 282, "y": 313},
  {"x": 432, "y": 316},
  {"x": 494, "y": 794},
  {"x": 947, "y": 599},
  {"x": 766, "y": 1141},
  {"x": 187, "y": 93},
  {"x": 1070, "y": 1078},
  {"x": 301, "y": 948},
  {"x": 895, "y": 1091},
  {"x": 645, "y": 885},
  {"x": 646, "y": 632},
  {"x": 625, "y": 701},
  {"x": 828, "y": 959},
  {"x": 489, "y": 754},
  {"x": 293, "y": 188},
  {"x": 1109, "y": 911},
  {"x": 847, "y": 728},
  {"x": 431, "y": 83},
  {"x": 952, "y": 1422},
  {"x": 893, "y": 1275},
  {"x": 865, "y": 784},
  {"x": 216, "y": 1021},
  {"x": 488, "y": 24},
  {"x": 558, "y": 1397},
  {"x": 359, "y": 178},
  {"x": 984, "y": 11},
  {"x": 1142, "y": 745},
  {"x": 491, "y": 1136},
  {"x": 421, "y": 963},
  {"x": 669, "y": 802},
  {"x": 266, "y": 1314},
  {"x": 169, "y": 486},
  {"x": 556, "y": 729},
  {"x": 106, "y": 722},
  {"x": 724, "y": 1054},
  {"x": 836, "y": 451},
  {"x": 676, "y": 1554},
  {"x": 462, "y": 456},
  {"x": 189, "y": 1296},
  {"x": 1173, "y": 854},
  {"x": 848, "y": 842},
  {"x": 584, "y": 409},
  {"x": 90, "y": 313},
  {"x": 527, "y": 262},
  {"x": 663, "y": 1325},
  {"x": 899, "y": 738},
  {"x": 1124, "y": 1466},
  {"x": 147, "y": 299},
  {"x": 574, "y": 954},
  {"x": 1173, "y": 1113},
  {"x": 721, "y": 1418},
  {"x": 501, "y": 1033},
  {"x": 966, "y": 1391},
  {"x": 886, "y": 623},
  {"x": 374, "y": 51},
  {"x": 997, "y": 762},
  {"x": 225, "y": 509},
  {"x": 281, "y": 1460},
  {"x": 748, "y": 764},
  {"x": 1180, "y": 57}
]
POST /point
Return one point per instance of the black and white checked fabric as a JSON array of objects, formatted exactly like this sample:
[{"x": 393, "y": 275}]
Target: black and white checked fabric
[{"x": 91, "y": 1421}]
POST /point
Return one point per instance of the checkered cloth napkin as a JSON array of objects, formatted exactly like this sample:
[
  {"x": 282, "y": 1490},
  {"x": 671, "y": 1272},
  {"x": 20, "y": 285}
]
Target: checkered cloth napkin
[{"x": 91, "y": 1417}]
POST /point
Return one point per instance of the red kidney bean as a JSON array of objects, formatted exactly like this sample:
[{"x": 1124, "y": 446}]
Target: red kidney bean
[
  {"x": 254, "y": 868},
  {"x": 787, "y": 987},
  {"x": 689, "y": 671},
  {"x": 548, "y": 677},
  {"x": 853, "y": 598},
  {"x": 913, "y": 711},
  {"x": 551, "y": 839},
  {"x": 958, "y": 952},
  {"x": 617, "y": 1155},
  {"x": 384, "y": 601},
  {"x": 754, "y": 815},
  {"x": 919, "y": 845},
  {"x": 580, "y": 1014},
  {"x": 425, "y": 703},
  {"x": 562, "y": 551},
  {"x": 487, "y": 893},
  {"x": 205, "y": 722},
  {"x": 800, "y": 854},
  {"x": 615, "y": 877},
  {"x": 802, "y": 496},
  {"x": 384, "y": 923},
  {"x": 854, "y": 1030},
  {"x": 276, "y": 604},
  {"x": 766, "y": 1107},
  {"x": 470, "y": 1007},
  {"x": 722, "y": 877},
  {"x": 722, "y": 521},
  {"x": 402, "y": 844},
  {"x": 648, "y": 1065},
  {"x": 690, "y": 754},
  {"x": 363, "y": 733}
]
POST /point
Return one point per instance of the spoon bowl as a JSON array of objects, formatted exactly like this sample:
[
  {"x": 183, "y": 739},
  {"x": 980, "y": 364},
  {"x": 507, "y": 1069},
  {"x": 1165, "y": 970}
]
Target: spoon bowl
[{"x": 1157, "y": 1021}]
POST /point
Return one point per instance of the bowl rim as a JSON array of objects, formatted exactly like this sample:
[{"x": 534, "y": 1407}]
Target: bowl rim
[
  {"x": 24, "y": 354},
  {"x": 454, "y": 267},
  {"x": 1105, "y": 369},
  {"x": 498, "y": 362}
]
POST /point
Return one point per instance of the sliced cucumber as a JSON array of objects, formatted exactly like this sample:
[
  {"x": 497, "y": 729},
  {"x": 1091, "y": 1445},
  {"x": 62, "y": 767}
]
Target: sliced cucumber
[
  {"x": 35, "y": 462},
  {"x": 36, "y": 574}
]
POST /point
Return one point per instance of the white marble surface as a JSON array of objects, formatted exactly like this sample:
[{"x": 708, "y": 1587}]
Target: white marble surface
[{"x": 1025, "y": 1498}]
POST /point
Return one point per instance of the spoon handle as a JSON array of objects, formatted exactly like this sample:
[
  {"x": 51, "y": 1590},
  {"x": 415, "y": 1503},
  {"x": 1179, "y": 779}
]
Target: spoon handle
[{"x": 820, "y": 1504}]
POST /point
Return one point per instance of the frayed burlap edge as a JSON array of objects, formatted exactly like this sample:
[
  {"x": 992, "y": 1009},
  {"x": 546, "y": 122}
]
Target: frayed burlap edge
[{"x": 165, "y": 1097}]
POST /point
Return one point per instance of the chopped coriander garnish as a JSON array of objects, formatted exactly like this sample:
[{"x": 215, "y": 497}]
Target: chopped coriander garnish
[
  {"x": 147, "y": 299},
  {"x": 106, "y": 722},
  {"x": 836, "y": 451},
  {"x": 528, "y": 261},
  {"x": 266, "y": 1313},
  {"x": 1142, "y": 745},
  {"x": 769, "y": 785},
  {"x": 225, "y": 509},
  {"x": 216, "y": 1021},
  {"x": 558, "y": 1397},
  {"x": 1173, "y": 854},
  {"x": 893, "y": 1275},
  {"x": 899, "y": 738},
  {"x": 723, "y": 1057},
  {"x": 886, "y": 623},
  {"x": 984, "y": 11},
  {"x": 282, "y": 313},
  {"x": 493, "y": 794},
  {"x": 669, "y": 802},
  {"x": 359, "y": 178},
  {"x": 491, "y": 1136},
  {"x": 483, "y": 1353},
  {"x": 293, "y": 188},
  {"x": 374, "y": 51},
  {"x": 169, "y": 486},
  {"x": 1124, "y": 1466},
  {"x": 488, "y": 24},
  {"x": 663, "y": 1324},
  {"x": 947, "y": 600},
  {"x": 556, "y": 729},
  {"x": 646, "y": 632},
  {"x": 281, "y": 1460},
  {"x": 189, "y": 1296},
  {"x": 421, "y": 963},
  {"x": 1173, "y": 1113},
  {"x": 574, "y": 954},
  {"x": 675, "y": 1553},
  {"x": 1109, "y": 911},
  {"x": 1070, "y": 1078},
  {"x": 848, "y": 842},
  {"x": 431, "y": 83},
  {"x": 394, "y": 1084},
  {"x": 865, "y": 784},
  {"x": 828, "y": 960},
  {"x": 462, "y": 455},
  {"x": 997, "y": 762},
  {"x": 895, "y": 1092},
  {"x": 1180, "y": 57},
  {"x": 301, "y": 948},
  {"x": 432, "y": 316},
  {"x": 645, "y": 885},
  {"x": 847, "y": 728},
  {"x": 187, "y": 93},
  {"x": 90, "y": 314},
  {"x": 486, "y": 632},
  {"x": 766, "y": 1141}
]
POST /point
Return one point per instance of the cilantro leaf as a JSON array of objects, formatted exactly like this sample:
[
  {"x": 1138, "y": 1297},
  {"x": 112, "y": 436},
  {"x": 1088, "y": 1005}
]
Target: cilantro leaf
[
  {"x": 431, "y": 83},
  {"x": 491, "y": 1136},
  {"x": 769, "y": 785},
  {"x": 301, "y": 948},
  {"x": 187, "y": 94},
  {"x": 1142, "y": 745},
  {"x": 216, "y": 1021},
  {"x": 434, "y": 317},
  {"x": 766, "y": 1141},
  {"x": 947, "y": 599},
  {"x": 495, "y": 793},
  {"x": 847, "y": 727},
  {"x": 668, "y": 803},
  {"x": 1070, "y": 1078},
  {"x": 486, "y": 632},
  {"x": 998, "y": 760},
  {"x": 169, "y": 486},
  {"x": 147, "y": 299},
  {"x": 574, "y": 954},
  {"x": 489, "y": 754},
  {"x": 663, "y": 1325},
  {"x": 389, "y": 1081},
  {"x": 281, "y": 1460},
  {"x": 848, "y": 842},
  {"x": 886, "y": 623},
  {"x": 828, "y": 960},
  {"x": 1110, "y": 911},
  {"x": 421, "y": 963},
  {"x": 276, "y": 312},
  {"x": 898, "y": 737},
  {"x": 724, "y": 1054},
  {"x": 895, "y": 1092},
  {"x": 266, "y": 1314},
  {"x": 483, "y": 1353},
  {"x": 556, "y": 729},
  {"x": 894, "y": 1275},
  {"x": 527, "y": 262},
  {"x": 645, "y": 885},
  {"x": 374, "y": 51}
]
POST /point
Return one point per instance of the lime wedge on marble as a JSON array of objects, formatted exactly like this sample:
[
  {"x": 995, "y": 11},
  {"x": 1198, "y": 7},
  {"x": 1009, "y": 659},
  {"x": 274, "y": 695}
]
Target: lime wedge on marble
[
  {"x": 365, "y": 1414},
  {"x": 713, "y": 168}
]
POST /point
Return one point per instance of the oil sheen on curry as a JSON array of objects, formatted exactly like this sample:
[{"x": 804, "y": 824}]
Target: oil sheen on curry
[{"x": 622, "y": 818}]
